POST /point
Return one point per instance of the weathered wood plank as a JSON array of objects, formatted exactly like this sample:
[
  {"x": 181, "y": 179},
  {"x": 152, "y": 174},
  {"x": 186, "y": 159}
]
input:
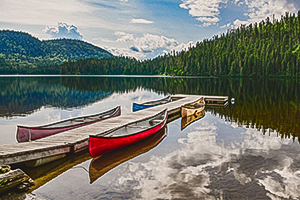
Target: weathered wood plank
[
  {"x": 10, "y": 154},
  {"x": 12, "y": 179}
]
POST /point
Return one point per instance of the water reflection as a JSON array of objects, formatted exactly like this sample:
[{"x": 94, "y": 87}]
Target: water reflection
[
  {"x": 216, "y": 160},
  {"x": 23, "y": 95},
  {"x": 45, "y": 173},
  {"x": 187, "y": 120}
]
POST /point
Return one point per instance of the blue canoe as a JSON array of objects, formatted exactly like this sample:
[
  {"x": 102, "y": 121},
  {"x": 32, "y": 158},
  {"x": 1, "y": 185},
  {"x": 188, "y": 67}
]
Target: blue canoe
[{"x": 141, "y": 106}]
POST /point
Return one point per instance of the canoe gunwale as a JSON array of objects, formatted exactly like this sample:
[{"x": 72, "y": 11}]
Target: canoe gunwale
[
  {"x": 42, "y": 127},
  {"x": 128, "y": 124},
  {"x": 194, "y": 102},
  {"x": 153, "y": 103},
  {"x": 193, "y": 107}
]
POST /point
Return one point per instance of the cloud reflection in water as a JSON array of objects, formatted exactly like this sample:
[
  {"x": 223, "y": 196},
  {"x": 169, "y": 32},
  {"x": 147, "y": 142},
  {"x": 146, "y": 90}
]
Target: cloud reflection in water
[{"x": 253, "y": 166}]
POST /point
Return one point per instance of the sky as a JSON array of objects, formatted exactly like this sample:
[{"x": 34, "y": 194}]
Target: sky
[{"x": 142, "y": 29}]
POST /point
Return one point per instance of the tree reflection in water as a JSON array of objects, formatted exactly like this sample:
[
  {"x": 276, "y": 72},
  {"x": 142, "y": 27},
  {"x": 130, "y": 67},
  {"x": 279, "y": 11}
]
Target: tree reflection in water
[{"x": 271, "y": 104}]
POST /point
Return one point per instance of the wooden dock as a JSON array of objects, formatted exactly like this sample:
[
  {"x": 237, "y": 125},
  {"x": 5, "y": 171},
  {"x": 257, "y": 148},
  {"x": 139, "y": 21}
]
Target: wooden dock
[{"x": 56, "y": 146}]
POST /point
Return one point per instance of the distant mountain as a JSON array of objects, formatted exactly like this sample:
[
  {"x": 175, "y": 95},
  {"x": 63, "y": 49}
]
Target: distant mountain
[{"x": 20, "y": 51}]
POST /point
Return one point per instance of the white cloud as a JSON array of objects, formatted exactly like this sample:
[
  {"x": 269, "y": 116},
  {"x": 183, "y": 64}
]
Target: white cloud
[
  {"x": 40, "y": 12},
  {"x": 125, "y": 37},
  {"x": 226, "y": 25},
  {"x": 259, "y": 10},
  {"x": 120, "y": 33},
  {"x": 63, "y": 30},
  {"x": 149, "y": 42},
  {"x": 89, "y": 15},
  {"x": 140, "y": 21},
  {"x": 206, "y": 12},
  {"x": 148, "y": 45},
  {"x": 238, "y": 22},
  {"x": 104, "y": 40},
  {"x": 125, "y": 52}
]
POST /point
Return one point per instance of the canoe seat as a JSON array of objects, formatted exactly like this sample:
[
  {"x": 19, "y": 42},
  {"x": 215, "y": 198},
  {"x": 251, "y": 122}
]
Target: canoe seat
[
  {"x": 155, "y": 121},
  {"x": 104, "y": 116}
]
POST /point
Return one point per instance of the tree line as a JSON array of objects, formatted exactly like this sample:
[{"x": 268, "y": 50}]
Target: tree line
[{"x": 268, "y": 48}]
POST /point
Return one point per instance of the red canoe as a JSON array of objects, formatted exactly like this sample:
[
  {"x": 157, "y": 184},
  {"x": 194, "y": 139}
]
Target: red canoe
[
  {"x": 102, "y": 164},
  {"x": 127, "y": 134},
  {"x": 25, "y": 133}
]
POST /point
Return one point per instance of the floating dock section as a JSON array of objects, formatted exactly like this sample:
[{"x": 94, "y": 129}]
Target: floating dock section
[{"x": 54, "y": 147}]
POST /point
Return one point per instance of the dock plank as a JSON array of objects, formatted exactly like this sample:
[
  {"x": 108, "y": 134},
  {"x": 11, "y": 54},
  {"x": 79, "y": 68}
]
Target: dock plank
[{"x": 14, "y": 153}]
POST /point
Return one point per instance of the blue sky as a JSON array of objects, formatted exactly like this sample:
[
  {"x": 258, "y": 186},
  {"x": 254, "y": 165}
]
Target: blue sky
[{"x": 138, "y": 28}]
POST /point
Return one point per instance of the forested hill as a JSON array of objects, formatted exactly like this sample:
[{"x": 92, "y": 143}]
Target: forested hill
[
  {"x": 20, "y": 52},
  {"x": 268, "y": 48}
]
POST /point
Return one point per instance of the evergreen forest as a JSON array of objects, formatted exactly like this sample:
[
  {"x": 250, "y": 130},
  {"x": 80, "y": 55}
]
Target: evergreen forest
[
  {"x": 265, "y": 49},
  {"x": 23, "y": 53}
]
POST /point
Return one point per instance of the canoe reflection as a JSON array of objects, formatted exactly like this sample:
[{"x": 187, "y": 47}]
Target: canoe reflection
[
  {"x": 192, "y": 108},
  {"x": 187, "y": 120},
  {"x": 102, "y": 164}
]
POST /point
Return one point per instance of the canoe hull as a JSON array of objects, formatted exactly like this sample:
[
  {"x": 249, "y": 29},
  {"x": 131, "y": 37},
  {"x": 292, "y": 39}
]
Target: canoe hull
[
  {"x": 193, "y": 108},
  {"x": 101, "y": 165},
  {"x": 30, "y": 134},
  {"x": 141, "y": 106},
  {"x": 26, "y": 134},
  {"x": 185, "y": 112},
  {"x": 136, "y": 107},
  {"x": 100, "y": 145}
]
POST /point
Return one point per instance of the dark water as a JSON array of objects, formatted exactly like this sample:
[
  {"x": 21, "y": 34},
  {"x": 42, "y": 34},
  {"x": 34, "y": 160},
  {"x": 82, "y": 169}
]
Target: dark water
[{"x": 248, "y": 150}]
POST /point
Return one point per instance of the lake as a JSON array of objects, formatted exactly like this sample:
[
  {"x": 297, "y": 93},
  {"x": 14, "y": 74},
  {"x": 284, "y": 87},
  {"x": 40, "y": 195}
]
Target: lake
[{"x": 246, "y": 150}]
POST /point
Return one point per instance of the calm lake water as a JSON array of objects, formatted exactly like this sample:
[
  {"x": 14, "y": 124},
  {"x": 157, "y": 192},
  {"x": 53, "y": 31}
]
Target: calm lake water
[{"x": 246, "y": 150}]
